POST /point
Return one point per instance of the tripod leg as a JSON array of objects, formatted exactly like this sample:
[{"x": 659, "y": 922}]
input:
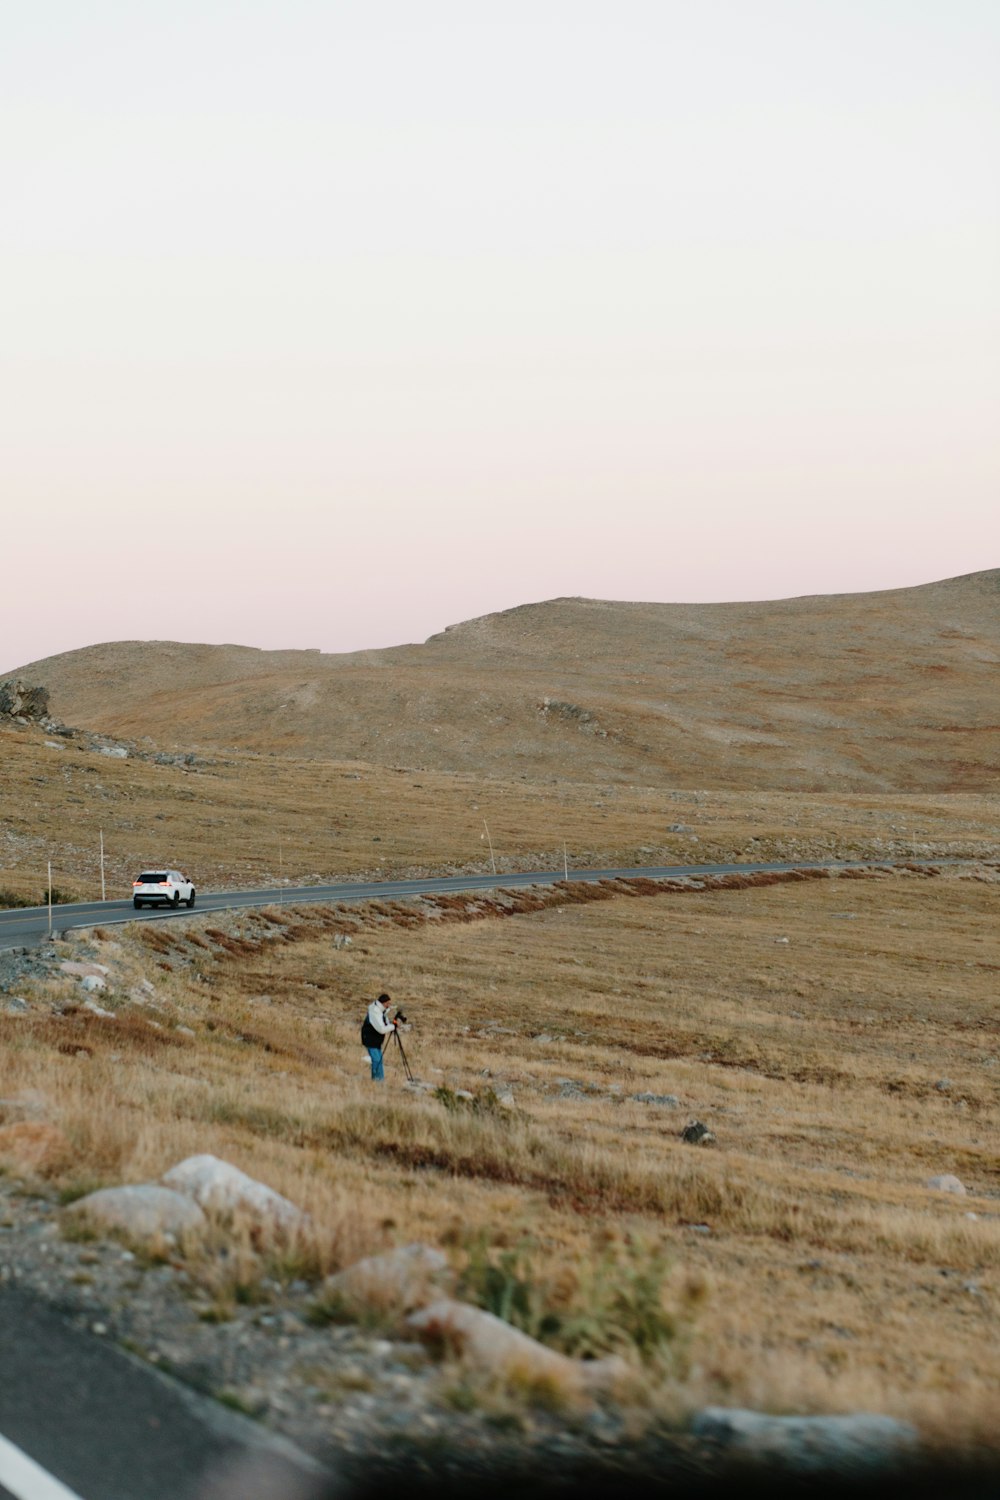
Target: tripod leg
[{"x": 402, "y": 1053}]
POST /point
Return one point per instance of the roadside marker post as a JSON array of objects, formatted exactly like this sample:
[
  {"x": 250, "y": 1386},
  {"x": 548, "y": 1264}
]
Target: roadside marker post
[
  {"x": 50, "y": 898},
  {"x": 492, "y": 860},
  {"x": 103, "y": 896}
]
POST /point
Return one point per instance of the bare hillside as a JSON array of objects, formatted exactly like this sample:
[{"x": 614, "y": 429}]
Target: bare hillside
[{"x": 896, "y": 690}]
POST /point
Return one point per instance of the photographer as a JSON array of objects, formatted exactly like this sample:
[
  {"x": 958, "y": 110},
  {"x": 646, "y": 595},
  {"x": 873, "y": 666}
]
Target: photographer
[{"x": 374, "y": 1031}]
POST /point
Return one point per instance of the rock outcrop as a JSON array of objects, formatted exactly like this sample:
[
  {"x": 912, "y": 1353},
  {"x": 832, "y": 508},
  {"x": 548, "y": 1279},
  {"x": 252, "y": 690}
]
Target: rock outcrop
[{"x": 22, "y": 700}]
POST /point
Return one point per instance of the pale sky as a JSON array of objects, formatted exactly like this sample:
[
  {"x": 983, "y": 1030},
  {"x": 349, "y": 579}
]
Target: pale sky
[{"x": 331, "y": 324}]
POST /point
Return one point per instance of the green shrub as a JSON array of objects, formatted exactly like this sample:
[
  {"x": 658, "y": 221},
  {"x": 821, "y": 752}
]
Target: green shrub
[
  {"x": 10, "y": 899},
  {"x": 617, "y": 1301}
]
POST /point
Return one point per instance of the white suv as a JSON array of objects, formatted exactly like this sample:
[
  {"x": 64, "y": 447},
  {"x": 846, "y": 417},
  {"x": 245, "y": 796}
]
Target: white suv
[{"x": 162, "y": 888}]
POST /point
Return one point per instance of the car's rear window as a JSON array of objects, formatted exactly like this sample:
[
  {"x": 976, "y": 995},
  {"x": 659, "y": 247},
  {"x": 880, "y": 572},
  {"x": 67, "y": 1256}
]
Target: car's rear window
[{"x": 152, "y": 877}]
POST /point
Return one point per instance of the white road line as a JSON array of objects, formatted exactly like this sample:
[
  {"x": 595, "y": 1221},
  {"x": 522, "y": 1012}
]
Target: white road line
[{"x": 27, "y": 1480}]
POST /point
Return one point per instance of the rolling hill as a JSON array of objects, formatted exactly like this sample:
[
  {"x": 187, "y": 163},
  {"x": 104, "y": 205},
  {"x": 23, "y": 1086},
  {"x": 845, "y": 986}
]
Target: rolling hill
[{"x": 880, "y": 692}]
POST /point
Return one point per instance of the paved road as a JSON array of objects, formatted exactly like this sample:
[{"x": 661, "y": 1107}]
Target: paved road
[
  {"x": 107, "y": 1427},
  {"x": 28, "y": 925}
]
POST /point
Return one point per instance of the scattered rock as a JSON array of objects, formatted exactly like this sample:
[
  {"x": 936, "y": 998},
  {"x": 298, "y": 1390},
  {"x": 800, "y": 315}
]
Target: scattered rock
[
  {"x": 697, "y": 1134},
  {"x": 943, "y": 1085},
  {"x": 857, "y": 1443},
  {"x": 570, "y": 1088},
  {"x": 15, "y": 1006},
  {"x": 86, "y": 970},
  {"x": 141, "y": 1211},
  {"x": 341, "y": 940},
  {"x": 669, "y": 1101},
  {"x": 947, "y": 1182},
  {"x": 223, "y": 1189},
  {"x": 98, "y": 1010},
  {"x": 544, "y": 1037},
  {"x": 492, "y": 1345},
  {"x": 117, "y": 752},
  {"x": 91, "y": 982}
]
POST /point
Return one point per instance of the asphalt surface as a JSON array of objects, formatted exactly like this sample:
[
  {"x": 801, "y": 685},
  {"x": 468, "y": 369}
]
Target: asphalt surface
[
  {"x": 26, "y": 926},
  {"x": 111, "y": 1428}
]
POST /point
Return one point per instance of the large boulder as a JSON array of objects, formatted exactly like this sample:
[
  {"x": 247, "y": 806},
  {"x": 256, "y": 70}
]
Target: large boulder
[
  {"x": 220, "y": 1188},
  {"x": 859, "y": 1443},
  {"x": 23, "y": 700},
  {"x": 492, "y": 1346},
  {"x": 141, "y": 1212},
  {"x": 399, "y": 1281}
]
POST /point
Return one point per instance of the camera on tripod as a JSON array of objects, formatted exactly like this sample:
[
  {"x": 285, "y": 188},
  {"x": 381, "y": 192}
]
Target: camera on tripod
[{"x": 399, "y": 1017}]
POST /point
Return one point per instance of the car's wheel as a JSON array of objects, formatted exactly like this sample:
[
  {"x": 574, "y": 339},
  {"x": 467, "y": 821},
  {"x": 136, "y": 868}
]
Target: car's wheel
[
  {"x": 176, "y": 900},
  {"x": 190, "y": 899},
  {"x": 137, "y": 903}
]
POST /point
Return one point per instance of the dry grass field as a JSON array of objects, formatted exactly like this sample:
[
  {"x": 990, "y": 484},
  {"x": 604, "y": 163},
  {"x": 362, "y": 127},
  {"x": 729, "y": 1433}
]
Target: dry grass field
[
  {"x": 246, "y": 819},
  {"x": 838, "y": 1036}
]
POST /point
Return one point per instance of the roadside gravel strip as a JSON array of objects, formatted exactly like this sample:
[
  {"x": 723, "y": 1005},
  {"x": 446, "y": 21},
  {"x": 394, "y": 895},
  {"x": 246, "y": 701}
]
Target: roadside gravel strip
[{"x": 26, "y": 926}]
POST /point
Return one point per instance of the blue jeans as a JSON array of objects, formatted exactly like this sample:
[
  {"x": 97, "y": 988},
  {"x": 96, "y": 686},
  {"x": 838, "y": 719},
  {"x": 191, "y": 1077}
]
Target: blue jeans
[{"x": 375, "y": 1053}]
